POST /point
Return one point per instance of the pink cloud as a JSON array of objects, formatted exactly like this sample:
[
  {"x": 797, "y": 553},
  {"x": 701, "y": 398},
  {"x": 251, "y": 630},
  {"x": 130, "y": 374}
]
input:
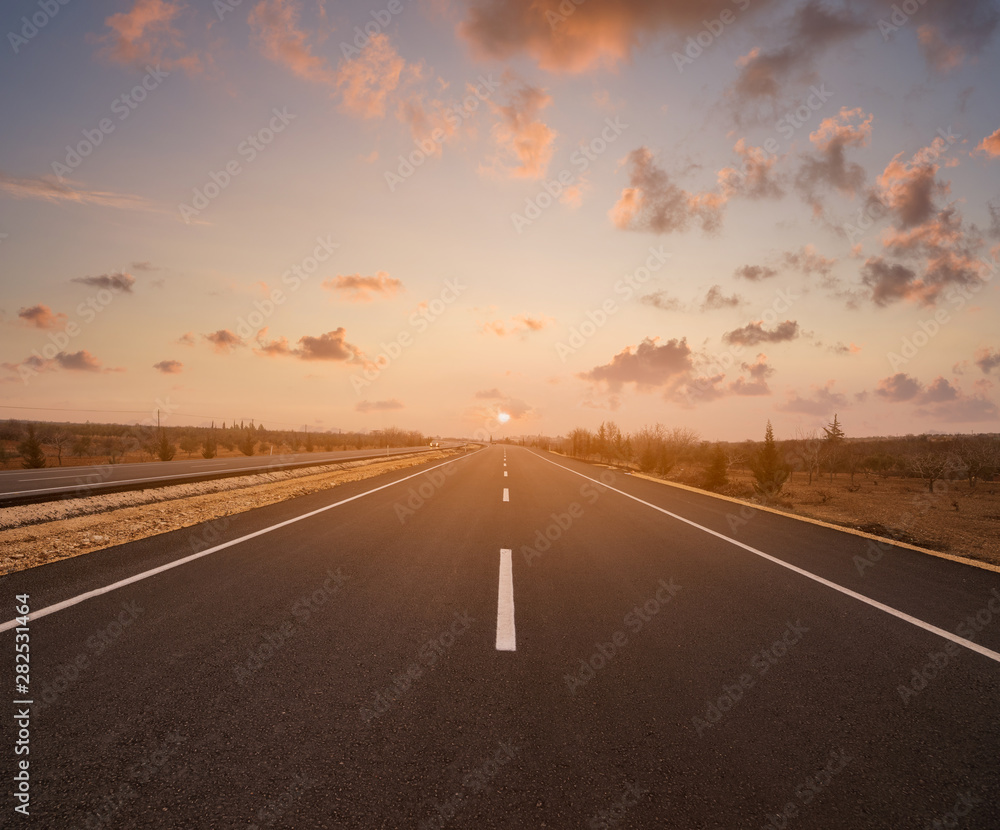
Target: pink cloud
[
  {"x": 366, "y": 81},
  {"x": 652, "y": 202},
  {"x": 522, "y": 324},
  {"x": 575, "y": 37},
  {"x": 276, "y": 31},
  {"x": 41, "y": 317},
  {"x": 827, "y": 166},
  {"x": 355, "y": 288},
  {"x": 647, "y": 365},
  {"x": 987, "y": 359},
  {"x": 754, "y": 333},
  {"x": 524, "y": 141},
  {"x": 754, "y": 178},
  {"x": 331, "y": 345},
  {"x": 822, "y": 401},
  {"x": 990, "y": 146},
  {"x": 224, "y": 341},
  {"x": 145, "y": 35},
  {"x": 810, "y": 30},
  {"x": 169, "y": 367},
  {"x": 50, "y": 189},
  {"x": 938, "y": 52}
]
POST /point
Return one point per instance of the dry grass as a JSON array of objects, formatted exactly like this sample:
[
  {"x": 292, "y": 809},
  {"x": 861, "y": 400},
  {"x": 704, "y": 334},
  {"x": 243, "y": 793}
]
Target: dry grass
[
  {"x": 954, "y": 519},
  {"x": 36, "y": 534}
]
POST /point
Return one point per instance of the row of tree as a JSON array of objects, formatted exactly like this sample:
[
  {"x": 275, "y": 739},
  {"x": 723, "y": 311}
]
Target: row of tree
[
  {"x": 36, "y": 445},
  {"x": 661, "y": 450}
]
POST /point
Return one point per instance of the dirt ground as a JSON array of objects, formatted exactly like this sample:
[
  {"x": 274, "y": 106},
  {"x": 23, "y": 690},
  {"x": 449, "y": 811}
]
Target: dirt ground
[
  {"x": 954, "y": 519},
  {"x": 35, "y": 534}
]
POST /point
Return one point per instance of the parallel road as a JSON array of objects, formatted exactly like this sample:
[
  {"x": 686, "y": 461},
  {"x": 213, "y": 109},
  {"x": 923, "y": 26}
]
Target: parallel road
[
  {"x": 51, "y": 483},
  {"x": 508, "y": 639}
]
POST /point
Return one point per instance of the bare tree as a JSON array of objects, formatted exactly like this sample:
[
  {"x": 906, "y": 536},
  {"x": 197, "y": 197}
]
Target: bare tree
[
  {"x": 60, "y": 441},
  {"x": 805, "y": 453},
  {"x": 934, "y": 465},
  {"x": 979, "y": 454},
  {"x": 82, "y": 446},
  {"x": 116, "y": 446}
]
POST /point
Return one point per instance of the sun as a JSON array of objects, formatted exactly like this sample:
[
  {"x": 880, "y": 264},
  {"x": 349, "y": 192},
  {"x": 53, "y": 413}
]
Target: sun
[{"x": 503, "y": 417}]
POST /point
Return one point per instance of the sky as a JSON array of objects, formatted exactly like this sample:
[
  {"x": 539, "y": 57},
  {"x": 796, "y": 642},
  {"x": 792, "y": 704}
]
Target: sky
[{"x": 502, "y": 217}]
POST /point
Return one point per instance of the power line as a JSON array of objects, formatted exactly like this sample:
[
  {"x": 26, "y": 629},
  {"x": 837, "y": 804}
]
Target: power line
[{"x": 131, "y": 412}]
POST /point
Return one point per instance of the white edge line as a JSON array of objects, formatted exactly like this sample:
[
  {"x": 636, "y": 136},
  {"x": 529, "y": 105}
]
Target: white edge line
[
  {"x": 992, "y": 655},
  {"x": 59, "y": 606},
  {"x": 506, "y": 639}
]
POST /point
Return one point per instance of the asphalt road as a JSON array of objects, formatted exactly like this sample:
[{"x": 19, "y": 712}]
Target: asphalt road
[
  {"x": 51, "y": 483},
  {"x": 378, "y": 663}
]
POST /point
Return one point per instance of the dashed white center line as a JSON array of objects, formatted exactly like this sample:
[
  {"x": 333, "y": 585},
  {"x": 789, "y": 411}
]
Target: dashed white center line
[
  {"x": 506, "y": 494},
  {"x": 506, "y": 640},
  {"x": 505, "y": 474}
]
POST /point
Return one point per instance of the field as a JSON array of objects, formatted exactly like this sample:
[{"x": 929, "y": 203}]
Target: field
[{"x": 955, "y": 518}]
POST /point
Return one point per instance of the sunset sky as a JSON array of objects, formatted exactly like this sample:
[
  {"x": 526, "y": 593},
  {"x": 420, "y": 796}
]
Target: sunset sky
[{"x": 705, "y": 213}]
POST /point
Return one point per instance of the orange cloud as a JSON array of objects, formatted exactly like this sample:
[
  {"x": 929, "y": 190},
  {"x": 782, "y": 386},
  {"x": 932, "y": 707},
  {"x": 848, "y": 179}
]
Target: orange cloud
[
  {"x": 822, "y": 402},
  {"x": 355, "y": 288},
  {"x": 647, "y": 365},
  {"x": 365, "y": 82},
  {"x": 81, "y": 361},
  {"x": 145, "y": 34},
  {"x": 575, "y": 37},
  {"x": 652, "y": 202},
  {"x": 224, "y": 341},
  {"x": 990, "y": 146},
  {"x": 758, "y": 371},
  {"x": 428, "y": 119},
  {"x": 275, "y": 27},
  {"x": 828, "y": 166},
  {"x": 522, "y": 324},
  {"x": 49, "y": 189},
  {"x": 754, "y": 178},
  {"x": 520, "y": 135},
  {"x": 169, "y": 367},
  {"x": 810, "y": 30},
  {"x": 41, "y": 317},
  {"x": 331, "y": 345},
  {"x": 809, "y": 261},
  {"x": 938, "y": 52},
  {"x": 572, "y": 196},
  {"x": 909, "y": 188},
  {"x": 278, "y": 347}
]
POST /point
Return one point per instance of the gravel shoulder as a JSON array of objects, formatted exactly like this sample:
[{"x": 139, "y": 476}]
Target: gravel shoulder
[{"x": 36, "y": 534}]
